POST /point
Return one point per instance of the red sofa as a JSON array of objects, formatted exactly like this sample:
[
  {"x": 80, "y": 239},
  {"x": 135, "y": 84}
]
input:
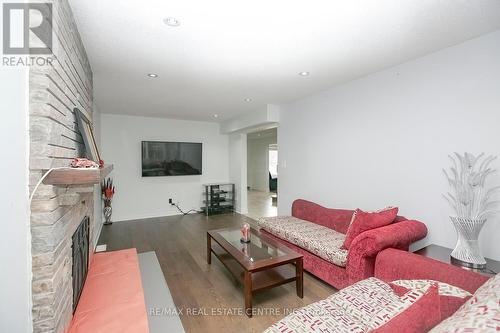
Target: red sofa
[
  {"x": 451, "y": 299},
  {"x": 364, "y": 249}
]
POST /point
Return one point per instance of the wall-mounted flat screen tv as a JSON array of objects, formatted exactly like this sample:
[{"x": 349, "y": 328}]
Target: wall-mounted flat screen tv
[{"x": 171, "y": 158}]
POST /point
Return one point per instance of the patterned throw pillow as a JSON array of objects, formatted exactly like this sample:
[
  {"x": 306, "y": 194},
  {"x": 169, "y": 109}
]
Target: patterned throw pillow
[
  {"x": 363, "y": 221},
  {"x": 479, "y": 314},
  {"x": 450, "y": 297},
  {"x": 420, "y": 317}
]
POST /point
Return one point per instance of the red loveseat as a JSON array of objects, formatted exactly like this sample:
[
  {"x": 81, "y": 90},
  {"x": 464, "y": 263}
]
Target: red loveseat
[
  {"x": 435, "y": 297},
  {"x": 359, "y": 261},
  {"x": 410, "y": 266}
]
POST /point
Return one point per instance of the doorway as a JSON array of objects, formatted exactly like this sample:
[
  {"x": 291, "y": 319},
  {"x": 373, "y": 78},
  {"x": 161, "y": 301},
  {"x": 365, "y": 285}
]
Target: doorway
[{"x": 262, "y": 173}]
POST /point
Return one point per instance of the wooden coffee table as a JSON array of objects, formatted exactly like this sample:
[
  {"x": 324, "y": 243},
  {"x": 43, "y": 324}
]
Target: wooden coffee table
[{"x": 259, "y": 265}]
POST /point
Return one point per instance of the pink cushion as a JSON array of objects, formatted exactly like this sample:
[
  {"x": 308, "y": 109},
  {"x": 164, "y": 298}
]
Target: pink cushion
[
  {"x": 112, "y": 300},
  {"x": 420, "y": 317},
  {"x": 363, "y": 221}
]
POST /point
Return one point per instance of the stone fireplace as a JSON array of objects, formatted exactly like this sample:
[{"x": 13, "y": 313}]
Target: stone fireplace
[
  {"x": 52, "y": 262},
  {"x": 58, "y": 211}
]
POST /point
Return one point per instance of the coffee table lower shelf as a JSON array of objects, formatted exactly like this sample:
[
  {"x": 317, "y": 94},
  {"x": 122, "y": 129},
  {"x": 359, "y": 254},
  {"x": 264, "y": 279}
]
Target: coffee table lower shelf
[{"x": 262, "y": 279}]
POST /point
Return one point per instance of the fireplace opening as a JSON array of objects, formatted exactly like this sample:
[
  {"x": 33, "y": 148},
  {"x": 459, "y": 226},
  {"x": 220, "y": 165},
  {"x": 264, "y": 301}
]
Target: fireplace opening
[{"x": 80, "y": 250}]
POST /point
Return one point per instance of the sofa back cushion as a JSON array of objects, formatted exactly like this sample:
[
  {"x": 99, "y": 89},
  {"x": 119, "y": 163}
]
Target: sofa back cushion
[
  {"x": 336, "y": 219},
  {"x": 481, "y": 313},
  {"x": 364, "y": 221},
  {"x": 395, "y": 264}
]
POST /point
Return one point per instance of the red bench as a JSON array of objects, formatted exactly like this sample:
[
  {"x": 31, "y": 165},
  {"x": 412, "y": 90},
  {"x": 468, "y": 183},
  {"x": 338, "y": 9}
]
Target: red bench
[{"x": 112, "y": 299}]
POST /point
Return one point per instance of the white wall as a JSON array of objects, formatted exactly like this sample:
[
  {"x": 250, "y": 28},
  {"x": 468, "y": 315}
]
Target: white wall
[
  {"x": 138, "y": 197},
  {"x": 98, "y": 214},
  {"x": 258, "y": 162},
  {"x": 384, "y": 139},
  {"x": 238, "y": 169},
  {"x": 15, "y": 253}
]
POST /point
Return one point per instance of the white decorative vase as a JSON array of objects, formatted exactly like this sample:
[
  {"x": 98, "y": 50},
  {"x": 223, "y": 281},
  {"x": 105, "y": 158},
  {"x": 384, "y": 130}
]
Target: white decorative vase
[
  {"x": 107, "y": 215},
  {"x": 467, "y": 252}
]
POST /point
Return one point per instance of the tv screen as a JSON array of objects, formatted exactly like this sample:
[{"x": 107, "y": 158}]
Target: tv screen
[{"x": 171, "y": 158}]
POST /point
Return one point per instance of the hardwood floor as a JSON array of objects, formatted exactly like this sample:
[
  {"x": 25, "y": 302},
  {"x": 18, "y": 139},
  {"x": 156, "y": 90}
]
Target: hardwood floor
[
  {"x": 260, "y": 204},
  {"x": 210, "y": 299}
]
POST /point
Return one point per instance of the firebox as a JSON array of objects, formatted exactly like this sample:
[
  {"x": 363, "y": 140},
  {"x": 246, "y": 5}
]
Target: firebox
[{"x": 80, "y": 250}]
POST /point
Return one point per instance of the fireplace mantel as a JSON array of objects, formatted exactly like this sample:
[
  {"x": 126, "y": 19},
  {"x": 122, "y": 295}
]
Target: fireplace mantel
[{"x": 76, "y": 176}]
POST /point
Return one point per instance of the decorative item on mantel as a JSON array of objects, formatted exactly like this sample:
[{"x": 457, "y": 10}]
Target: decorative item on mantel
[
  {"x": 84, "y": 163},
  {"x": 85, "y": 128},
  {"x": 108, "y": 191},
  {"x": 472, "y": 202}
]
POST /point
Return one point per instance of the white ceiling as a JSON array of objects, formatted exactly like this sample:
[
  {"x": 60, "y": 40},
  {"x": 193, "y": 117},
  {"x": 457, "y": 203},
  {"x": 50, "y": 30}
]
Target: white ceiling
[{"x": 227, "y": 50}]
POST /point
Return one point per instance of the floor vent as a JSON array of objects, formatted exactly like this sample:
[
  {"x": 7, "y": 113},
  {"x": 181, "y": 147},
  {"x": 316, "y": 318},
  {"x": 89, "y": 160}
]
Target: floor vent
[{"x": 101, "y": 248}]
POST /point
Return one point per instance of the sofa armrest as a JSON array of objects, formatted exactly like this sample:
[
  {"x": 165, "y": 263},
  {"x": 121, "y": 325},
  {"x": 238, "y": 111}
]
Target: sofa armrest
[
  {"x": 392, "y": 264},
  {"x": 366, "y": 246},
  {"x": 397, "y": 235}
]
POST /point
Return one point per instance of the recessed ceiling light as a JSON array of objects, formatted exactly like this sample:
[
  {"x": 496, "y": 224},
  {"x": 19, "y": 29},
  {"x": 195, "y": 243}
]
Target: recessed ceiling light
[
  {"x": 171, "y": 21},
  {"x": 304, "y": 73},
  {"x": 248, "y": 99},
  {"x": 152, "y": 75},
  {"x": 216, "y": 115}
]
